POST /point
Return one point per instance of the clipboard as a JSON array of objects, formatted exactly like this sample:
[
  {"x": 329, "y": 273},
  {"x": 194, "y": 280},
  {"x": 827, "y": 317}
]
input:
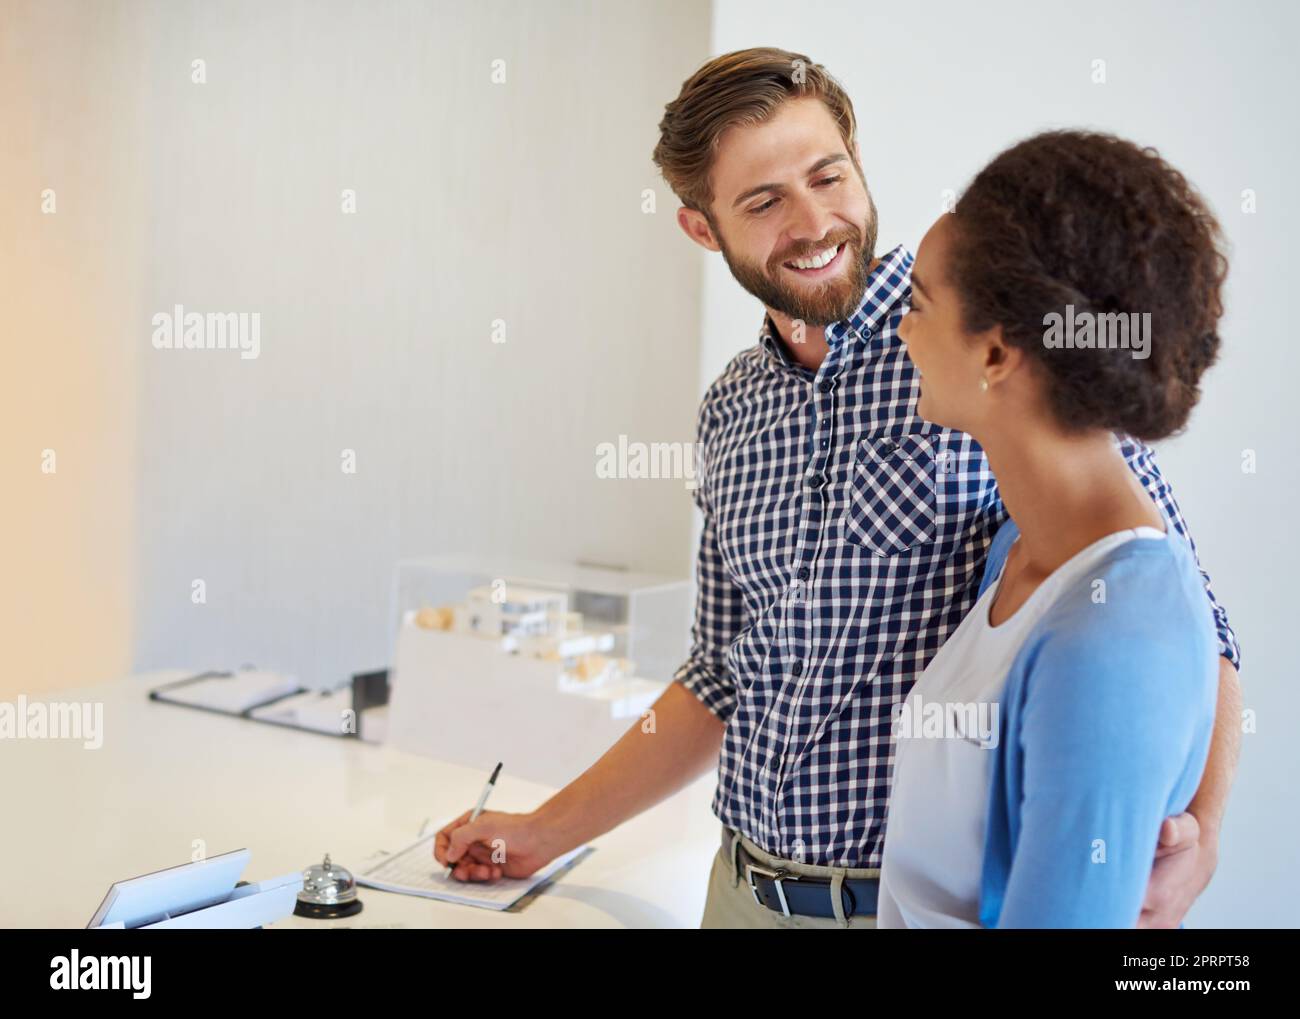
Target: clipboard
[{"x": 158, "y": 694}]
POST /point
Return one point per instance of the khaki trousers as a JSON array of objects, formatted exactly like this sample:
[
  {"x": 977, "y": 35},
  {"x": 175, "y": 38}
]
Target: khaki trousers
[{"x": 730, "y": 903}]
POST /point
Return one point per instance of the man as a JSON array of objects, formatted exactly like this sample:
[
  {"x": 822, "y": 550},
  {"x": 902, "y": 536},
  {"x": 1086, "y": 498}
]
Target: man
[{"x": 844, "y": 539}]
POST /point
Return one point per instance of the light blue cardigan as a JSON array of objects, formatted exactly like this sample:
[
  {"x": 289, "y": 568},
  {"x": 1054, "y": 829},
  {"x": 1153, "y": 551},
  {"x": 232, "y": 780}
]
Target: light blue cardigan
[{"x": 1106, "y": 723}]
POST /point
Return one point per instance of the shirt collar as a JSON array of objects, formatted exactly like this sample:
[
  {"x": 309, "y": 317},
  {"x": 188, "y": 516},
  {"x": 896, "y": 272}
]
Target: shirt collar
[
  {"x": 777, "y": 355},
  {"x": 890, "y": 282}
]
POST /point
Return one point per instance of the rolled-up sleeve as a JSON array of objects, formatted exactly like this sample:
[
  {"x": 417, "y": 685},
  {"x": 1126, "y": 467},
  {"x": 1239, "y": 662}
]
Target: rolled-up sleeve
[{"x": 720, "y": 615}]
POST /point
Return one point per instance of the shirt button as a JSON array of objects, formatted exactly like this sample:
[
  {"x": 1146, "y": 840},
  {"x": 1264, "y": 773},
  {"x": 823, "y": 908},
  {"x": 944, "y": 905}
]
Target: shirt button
[
  {"x": 803, "y": 573},
  {"x": 797, "y": 668},
  {"x": 825, "y": 443},
  {"x": 817, "y": 480},
  {"x": 826, "y": 385}
]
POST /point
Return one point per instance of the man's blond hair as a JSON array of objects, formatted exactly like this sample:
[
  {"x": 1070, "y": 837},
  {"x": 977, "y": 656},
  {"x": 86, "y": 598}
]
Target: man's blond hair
[{"x": 738, "y": 89}]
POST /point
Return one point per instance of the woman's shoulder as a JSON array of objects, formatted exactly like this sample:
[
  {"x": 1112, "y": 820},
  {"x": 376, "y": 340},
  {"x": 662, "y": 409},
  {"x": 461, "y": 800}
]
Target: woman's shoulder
[
  {"x": 998, "y": 549},
  {"x": 1135, "y": 625}
]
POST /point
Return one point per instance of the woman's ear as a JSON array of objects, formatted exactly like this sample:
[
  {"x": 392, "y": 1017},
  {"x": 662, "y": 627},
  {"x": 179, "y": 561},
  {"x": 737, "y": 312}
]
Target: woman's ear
[{"x": 1001, "y": 360}]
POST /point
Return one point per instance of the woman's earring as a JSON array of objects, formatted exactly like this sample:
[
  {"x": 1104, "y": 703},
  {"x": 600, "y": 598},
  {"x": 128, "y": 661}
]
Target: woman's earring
[{"x": 984, "y": 384}]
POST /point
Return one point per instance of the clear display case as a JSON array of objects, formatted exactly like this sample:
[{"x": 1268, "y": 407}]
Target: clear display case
[{"x": 648, "y": 615}]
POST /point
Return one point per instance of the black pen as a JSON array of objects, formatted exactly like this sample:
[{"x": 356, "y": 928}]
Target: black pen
[{"x": 478, "y": 807}]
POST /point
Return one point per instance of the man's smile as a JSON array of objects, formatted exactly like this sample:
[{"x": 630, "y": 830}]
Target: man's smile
[{"x": 819, "y": 264}]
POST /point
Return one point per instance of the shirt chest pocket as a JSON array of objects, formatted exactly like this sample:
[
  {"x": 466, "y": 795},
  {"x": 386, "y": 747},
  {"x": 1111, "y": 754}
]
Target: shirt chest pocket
[{"x": 891, "y": 498}]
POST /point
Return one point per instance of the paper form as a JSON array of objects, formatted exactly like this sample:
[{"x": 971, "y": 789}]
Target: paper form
[{"x": 414, "y": 871}]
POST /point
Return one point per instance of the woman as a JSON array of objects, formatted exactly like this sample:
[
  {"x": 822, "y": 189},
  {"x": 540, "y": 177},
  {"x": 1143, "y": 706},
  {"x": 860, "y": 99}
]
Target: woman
[{"x": 1074, "y": 294}]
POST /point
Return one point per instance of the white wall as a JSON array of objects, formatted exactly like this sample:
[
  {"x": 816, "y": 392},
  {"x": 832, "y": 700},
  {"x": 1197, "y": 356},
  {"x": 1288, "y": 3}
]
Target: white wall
[
  {"x": 475, "y": 202},
  {"x": 939, "y": 88}
]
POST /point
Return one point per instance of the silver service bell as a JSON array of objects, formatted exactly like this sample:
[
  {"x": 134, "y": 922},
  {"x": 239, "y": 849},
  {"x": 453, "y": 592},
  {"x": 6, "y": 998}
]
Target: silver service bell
[{"x": 328, "y": 892}]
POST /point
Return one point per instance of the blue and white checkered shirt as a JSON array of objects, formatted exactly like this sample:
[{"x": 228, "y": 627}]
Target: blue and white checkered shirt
[{"x": 844, "y": 539}]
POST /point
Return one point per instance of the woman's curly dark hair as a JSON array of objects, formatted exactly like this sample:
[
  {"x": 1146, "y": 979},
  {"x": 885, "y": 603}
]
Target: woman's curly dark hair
[{"x": 1094, "y": 221}]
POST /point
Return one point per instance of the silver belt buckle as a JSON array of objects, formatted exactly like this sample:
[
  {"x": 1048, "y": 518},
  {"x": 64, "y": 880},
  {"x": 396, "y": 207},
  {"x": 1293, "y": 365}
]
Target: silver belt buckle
[{"x": 777, "y": 877}]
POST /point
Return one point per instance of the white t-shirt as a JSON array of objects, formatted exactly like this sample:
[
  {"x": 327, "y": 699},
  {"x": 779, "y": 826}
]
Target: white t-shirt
[{"x": 934, "y": 833}]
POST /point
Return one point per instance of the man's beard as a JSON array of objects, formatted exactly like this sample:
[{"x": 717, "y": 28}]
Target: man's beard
[{"x": 832, "y": 301}]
